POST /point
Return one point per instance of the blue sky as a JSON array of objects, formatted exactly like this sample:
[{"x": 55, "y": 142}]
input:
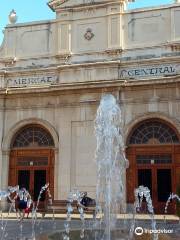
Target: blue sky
[{"x": 34, "y": 10}]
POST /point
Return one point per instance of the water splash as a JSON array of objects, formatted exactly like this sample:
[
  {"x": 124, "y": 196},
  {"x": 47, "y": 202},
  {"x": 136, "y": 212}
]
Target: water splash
[
  {"x": 111, "y": 162},
  {"x": 22, "y": 194},
  {"x": 7, "y": 195},
  {"x": 35, "y": 208},
  {"x": 74, "y": 195},
  {"x": 171, "y": 197},
  {"x": 43, "y": 189},
  {"x": 143, "y": 193}
]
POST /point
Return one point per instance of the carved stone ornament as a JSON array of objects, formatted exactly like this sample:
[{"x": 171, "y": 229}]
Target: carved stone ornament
[{"x": 89, "y": 34}]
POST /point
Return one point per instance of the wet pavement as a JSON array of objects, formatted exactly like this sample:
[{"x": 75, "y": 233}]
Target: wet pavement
[{"x": 12, "y": 229}]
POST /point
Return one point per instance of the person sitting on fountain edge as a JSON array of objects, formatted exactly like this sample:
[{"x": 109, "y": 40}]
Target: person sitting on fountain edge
[{"x": 86, "y": 201}]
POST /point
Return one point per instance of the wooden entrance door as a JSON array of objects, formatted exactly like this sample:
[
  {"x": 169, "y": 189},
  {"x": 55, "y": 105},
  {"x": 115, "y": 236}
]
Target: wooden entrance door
[
  {"x": 160, "y": 182},
  {"x": 154, "y": 160},
  {"x": 154, "y": 167},
  {"x": 33, "y": 179},
  {"x": 32, "y": 169}
]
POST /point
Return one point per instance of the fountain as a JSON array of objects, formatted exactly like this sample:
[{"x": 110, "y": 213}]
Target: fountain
[
  {"x": 110, "y": 190},
  {"x": 140, "y": 193},
  {"x": 111, "y": 169},
  {"x": 111, "y": 162},
  {"x": 35, "y": 208},
  {"x": 171, "y": 197},
  {"x": 7, "y": 195},
  {"x": 77, "y": 196},
  {"x": 22, "y": 194}
]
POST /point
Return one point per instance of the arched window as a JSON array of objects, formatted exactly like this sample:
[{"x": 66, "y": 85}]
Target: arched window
[
  {"x": 32, "y": 136},
  {"x": 153, "y": 132}
]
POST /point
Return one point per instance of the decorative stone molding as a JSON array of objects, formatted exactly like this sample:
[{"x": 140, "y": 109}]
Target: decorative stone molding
[
  {"x": 89, "y": 34},
  {"x": 56, "y": 4},
  {"x": 114, "y": 51},
  {"x": 89, "y": 1},
  {"x": 8, "y": 61},
  {"x": 175, "y": 46},
  {"x": 63, "y": 58}
]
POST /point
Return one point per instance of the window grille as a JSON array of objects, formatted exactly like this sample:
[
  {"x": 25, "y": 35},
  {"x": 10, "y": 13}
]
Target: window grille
[
  {"x": 33, "y": 136},
  {"x": 153, "y": 132}
]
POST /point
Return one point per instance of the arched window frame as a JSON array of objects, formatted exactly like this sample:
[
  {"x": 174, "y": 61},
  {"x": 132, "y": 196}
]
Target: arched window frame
[
  {"x": 32, "y": 136},
  {"x": 153, "y": 131}
]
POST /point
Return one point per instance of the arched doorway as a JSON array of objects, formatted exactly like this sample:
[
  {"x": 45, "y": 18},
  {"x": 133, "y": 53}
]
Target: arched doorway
[
  {"x": 154, "y": 156},
  {"x": 32, "y": 159}
]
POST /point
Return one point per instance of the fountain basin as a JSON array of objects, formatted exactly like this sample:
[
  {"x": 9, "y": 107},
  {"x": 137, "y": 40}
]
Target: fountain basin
[{"x": 97, "y": 234}]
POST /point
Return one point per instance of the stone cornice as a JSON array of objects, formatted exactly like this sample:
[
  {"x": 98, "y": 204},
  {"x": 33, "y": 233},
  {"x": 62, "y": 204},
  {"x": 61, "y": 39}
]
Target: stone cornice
[
  {"x": 56, "y": 5},
  {"x": 152, "y": 8},
  {"x": 114, "y": 83},
  {"x": 26, "y": 71},
  {"x": 33, "y": 23},
  {"x": 174, "y": 45},
  {"x": 118, "y": 62},
  {"x": 8, "y": 61},
  {"x": 3, "y": 72}
]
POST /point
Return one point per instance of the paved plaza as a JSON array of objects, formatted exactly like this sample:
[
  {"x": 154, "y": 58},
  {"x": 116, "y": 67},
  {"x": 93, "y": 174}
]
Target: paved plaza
[{"x": 16, "y": 230}]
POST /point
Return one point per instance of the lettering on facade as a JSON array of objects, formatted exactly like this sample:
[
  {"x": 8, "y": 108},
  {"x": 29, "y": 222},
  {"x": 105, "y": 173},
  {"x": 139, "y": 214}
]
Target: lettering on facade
[
  {"x": 31, "y": 81},
  {"x": 150, "y": 71}
]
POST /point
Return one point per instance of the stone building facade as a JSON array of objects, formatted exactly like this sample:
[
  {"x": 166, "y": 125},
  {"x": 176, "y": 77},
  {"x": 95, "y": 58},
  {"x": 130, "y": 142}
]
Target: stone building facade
[{"x": 52, "y": 76}]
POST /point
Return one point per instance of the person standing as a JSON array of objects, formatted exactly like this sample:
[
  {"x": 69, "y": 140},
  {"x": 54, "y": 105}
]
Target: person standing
[{"x": 23, "y": 202}]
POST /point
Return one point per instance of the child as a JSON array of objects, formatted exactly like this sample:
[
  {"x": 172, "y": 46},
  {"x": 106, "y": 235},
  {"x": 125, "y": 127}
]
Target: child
[{"x": 24, "y": 203}]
